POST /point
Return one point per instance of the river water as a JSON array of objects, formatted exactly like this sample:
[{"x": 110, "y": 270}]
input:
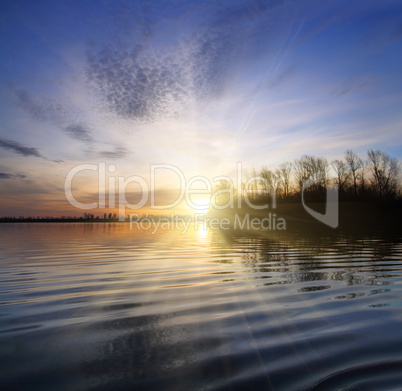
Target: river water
[{"x": 100, "y": 306}]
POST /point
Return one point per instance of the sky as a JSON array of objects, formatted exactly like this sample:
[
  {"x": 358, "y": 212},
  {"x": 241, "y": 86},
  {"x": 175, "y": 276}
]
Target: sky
[{"x": 196, "y": 85}]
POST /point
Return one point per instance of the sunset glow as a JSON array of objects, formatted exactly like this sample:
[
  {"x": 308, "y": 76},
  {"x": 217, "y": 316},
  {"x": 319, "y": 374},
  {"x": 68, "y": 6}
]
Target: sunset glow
[{"x": 197, "y": 85}]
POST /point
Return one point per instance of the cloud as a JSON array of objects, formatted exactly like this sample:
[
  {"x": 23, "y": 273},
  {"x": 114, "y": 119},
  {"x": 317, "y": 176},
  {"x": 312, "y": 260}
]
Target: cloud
[
  {"x": 248, "y": 10},
  {"x": 118, "y": 152},
  {"x": 31, "y": 105},
  {"x": 4, "y": 175},
  {"x": 141, "y": 74},
  {"x": 133, "y": 84},
  {"x": 138, "y": 79},
  {"x": 19, "y": 149},
  {"x": 54, "y": 110},
  {"x": 63, "y": 115},
  {"x": 45, "y": 109},
  {"x": 351, "y": 84},
  {"x": 79, "y": 131},
  {"x": 282, "y": 76}
]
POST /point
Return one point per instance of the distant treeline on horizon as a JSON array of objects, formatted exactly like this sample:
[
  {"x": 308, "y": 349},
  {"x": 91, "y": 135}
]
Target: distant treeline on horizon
[{"x": 87, "y": 217}]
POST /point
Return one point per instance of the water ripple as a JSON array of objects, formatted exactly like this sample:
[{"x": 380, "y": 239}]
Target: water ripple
[{"x": 116, "y": 309}]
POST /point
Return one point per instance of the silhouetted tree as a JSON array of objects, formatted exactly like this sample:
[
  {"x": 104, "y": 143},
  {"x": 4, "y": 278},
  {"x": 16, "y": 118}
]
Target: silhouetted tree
[
  {"x": 342, "y": 173},
  {"x": 354, "y": 163},
  {"x": 314, "y": 168},
  {"x": 283, "y": 174},
  {"x": 222, "y": 192},
  {"x": 302, "y": 171},
  {"x": 270, "y": 181},
  {"x": 385, "y": 172},
  {"x": 362, "y": 174}
]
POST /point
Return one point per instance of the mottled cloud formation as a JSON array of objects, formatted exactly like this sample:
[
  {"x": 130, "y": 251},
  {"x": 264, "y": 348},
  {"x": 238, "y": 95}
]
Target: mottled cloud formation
[
  {"x": 136, "y": 77},
  {"x": 135, "y": 84},
  {"x": 4, "y": 175},
  {"x": 142, "y": 81},
  {"x": 18, "y": 148},
  {"x": 79, "y": 131}
]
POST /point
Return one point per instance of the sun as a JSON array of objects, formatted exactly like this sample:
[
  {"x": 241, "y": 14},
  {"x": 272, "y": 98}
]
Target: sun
[
  {"x": 202, "y": 231},
  {"x": 203, "y": 209},
  {"x": 201, "y": 205}
]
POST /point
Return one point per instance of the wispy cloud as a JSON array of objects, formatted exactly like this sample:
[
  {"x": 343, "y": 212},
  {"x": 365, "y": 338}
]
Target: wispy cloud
[
  {"x": 19, "y": 149},
  {"x": 27, "y": 102},
  {"x": 351, "y": 84},
  {"x": 45, "y": 108},
  {"x": 56, "y": 111},
  {"x": 79, "y": 131},
  {"x": 282, "y": 76},
  {"x": 247, "y": 124},
  {"x": 118, "y": 152},
  {"x": 4, "y": 175}
]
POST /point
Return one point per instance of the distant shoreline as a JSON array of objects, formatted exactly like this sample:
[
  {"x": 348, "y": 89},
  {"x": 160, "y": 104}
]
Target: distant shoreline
[{"x": 349, "y": 212}]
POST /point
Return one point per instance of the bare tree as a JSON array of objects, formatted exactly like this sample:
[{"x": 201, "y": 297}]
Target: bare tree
[
  {"x": 320, "y": 168},
  {"x": 310, "y": 167},
  {"x": 283, "y": 174},
  {"x": 270, "y": 180},
  {"x": 246, "y": 175},
  {"x": 365, "y": 163},
  {"x": 254, "y": 185},
  {"x": 301, "y": 171},
  {"x": 222, "y": 193},
  {"x": 385, "y": 172},
  {"x": 342, "y": 173},
  {"x": 269, "y": 183},
  {"x": 354, "y": 163}
]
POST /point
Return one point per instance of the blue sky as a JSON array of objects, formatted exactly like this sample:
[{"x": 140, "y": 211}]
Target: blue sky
[{"x": 201, "y": 85}]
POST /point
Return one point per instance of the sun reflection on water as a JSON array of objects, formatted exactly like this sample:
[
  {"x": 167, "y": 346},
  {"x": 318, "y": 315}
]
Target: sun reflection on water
[{"x": 202, "y": 231}]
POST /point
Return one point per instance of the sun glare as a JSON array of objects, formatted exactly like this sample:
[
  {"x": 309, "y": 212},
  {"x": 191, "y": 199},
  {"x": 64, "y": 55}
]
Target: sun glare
[
  {"x": 203, "y": 210},
  {"x": 202, "y": 231},
  {"x": 201, "y": 205}
]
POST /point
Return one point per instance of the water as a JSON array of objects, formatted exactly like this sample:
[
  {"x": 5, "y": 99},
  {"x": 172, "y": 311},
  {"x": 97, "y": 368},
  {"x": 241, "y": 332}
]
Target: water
[{"x": 100, "y": 307}]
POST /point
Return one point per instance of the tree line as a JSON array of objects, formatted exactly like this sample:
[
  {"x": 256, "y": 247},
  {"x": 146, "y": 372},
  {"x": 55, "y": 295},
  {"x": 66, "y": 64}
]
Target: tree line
[
  {"x": 105, "y": 217},
  {"x": 375, "y": 176}
]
